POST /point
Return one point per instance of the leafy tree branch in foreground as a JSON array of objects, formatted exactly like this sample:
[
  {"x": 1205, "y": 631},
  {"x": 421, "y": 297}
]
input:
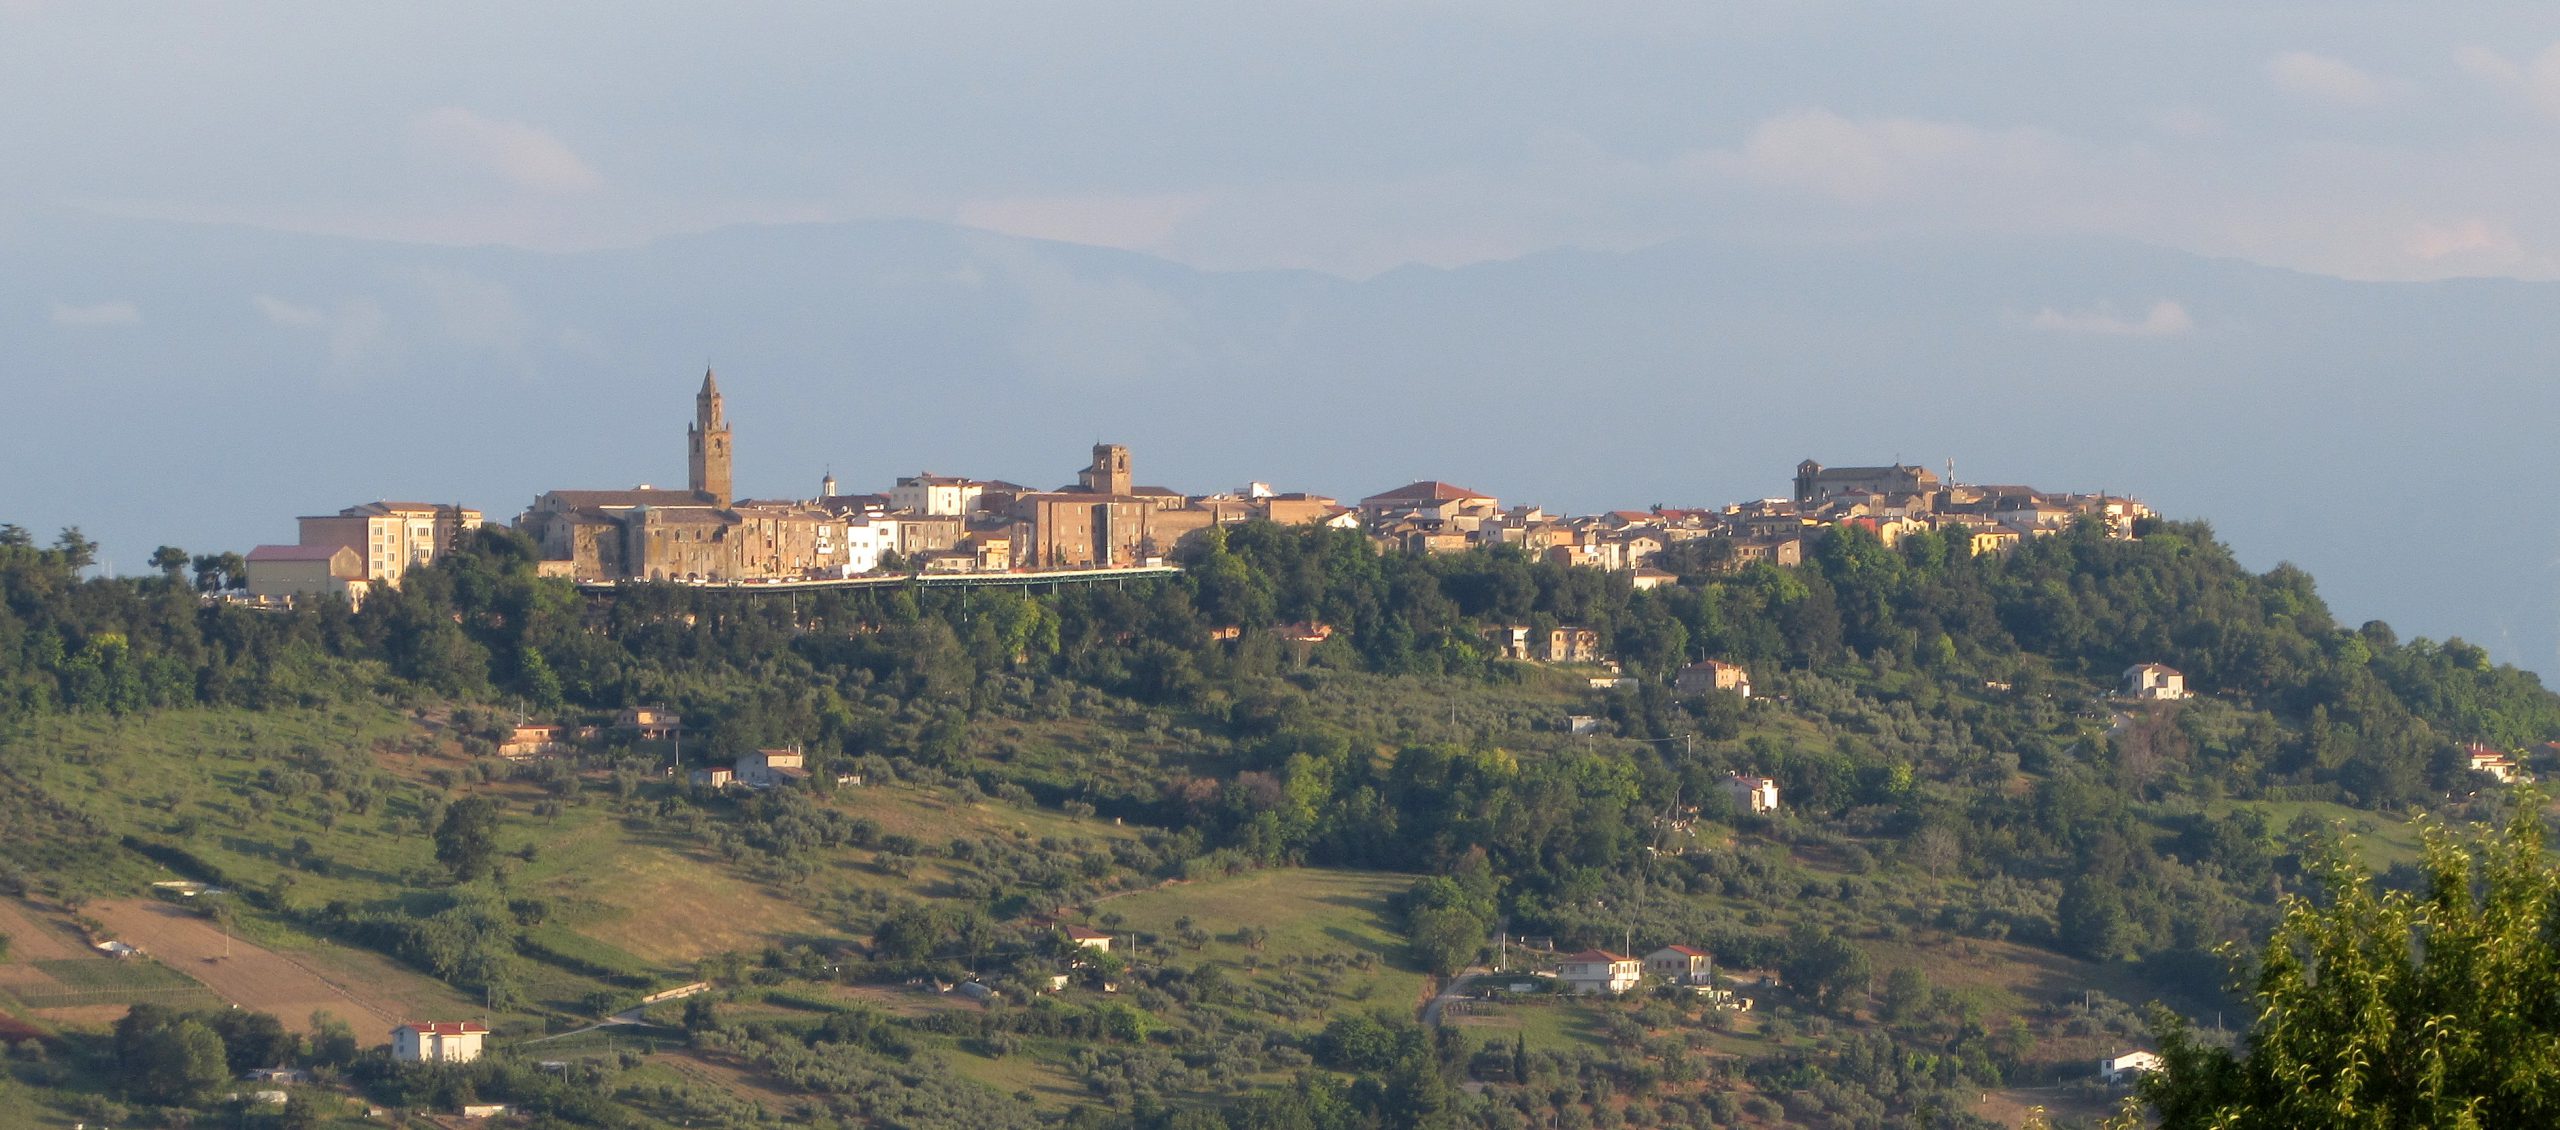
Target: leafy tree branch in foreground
[{"x": 2434, "y": 1008}]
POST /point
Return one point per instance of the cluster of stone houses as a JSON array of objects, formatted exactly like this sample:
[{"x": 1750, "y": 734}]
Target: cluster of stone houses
[
  {"x": 925, "y": 522},
  {"x": 934, "y": 523},
  {"x": 1891, "y": 502}
]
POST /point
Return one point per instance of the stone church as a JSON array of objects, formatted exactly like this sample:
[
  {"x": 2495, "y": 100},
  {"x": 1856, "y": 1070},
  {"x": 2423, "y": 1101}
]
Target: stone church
[{"x": 700, "y": 533}]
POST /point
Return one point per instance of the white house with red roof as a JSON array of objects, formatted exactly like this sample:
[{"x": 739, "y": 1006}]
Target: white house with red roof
[
  {"x": 438, "y": 1041},
  {"x": 2496, "y": 763},
  {"x": 1753, "y": 794},
  {"x": 1086, "y": 937},
  {"x": 1683, "y": 965},
  {"x": 1599, "y": 971}
]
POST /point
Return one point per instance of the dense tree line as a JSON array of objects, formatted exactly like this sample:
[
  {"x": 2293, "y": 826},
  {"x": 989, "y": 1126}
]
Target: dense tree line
[{"x": 1941, "y": 719}]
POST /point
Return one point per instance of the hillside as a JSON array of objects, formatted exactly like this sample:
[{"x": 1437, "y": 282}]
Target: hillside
[
  {"x": 1984, "y": 859},
  {"x": 1699, "y": 371}
]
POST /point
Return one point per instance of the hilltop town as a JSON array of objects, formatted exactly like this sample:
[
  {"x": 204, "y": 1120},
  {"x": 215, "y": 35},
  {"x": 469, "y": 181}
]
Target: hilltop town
[
  {"x": 950, "y": 525},
  {"x": 1063, "y": 809}
]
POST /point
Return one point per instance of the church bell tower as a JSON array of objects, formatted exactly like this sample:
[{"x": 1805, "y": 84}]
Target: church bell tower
[{"x": 708, "y": 443}]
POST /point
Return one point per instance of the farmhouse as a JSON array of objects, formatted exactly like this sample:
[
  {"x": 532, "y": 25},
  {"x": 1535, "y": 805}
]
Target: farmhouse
[
  {"x": 2122, "y": 1068},
  {"x": 1681, "y": 964},
  {"x": 1088, "y": 938},
  {"x": 450, "y": 1041},
  {"x": 648, "y": 723},
  {"x": 1714, "y": 675},
  {"x": 1599, "y": 971},
  {"x": 1755, "y": 795},
  {"x": 2482, "y": 759},
  {"x": 2153, "y": 681},
  {"x": 765, "y": 768},
  {"x": 527, "y": 739}
]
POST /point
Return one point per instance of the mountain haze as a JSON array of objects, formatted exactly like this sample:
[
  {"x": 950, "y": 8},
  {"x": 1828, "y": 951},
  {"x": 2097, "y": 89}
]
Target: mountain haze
[{"x": 200, "y": 385}]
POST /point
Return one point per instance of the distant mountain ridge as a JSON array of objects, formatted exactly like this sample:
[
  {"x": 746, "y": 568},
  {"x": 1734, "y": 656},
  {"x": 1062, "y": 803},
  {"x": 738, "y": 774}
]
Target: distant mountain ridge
[{"x": 201, "y": 384}]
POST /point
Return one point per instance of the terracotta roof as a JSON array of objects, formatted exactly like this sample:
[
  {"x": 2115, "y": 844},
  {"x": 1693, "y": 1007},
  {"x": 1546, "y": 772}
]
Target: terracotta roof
[
  {"x": 446, "y": 1028},
  {"x": 637, "y": 496},
  {"x": 1427, "y": 490},
  {"x": 1597, "y": 955},
  {"x": 409, "y": 507},
  {"x": 295, "y": 552},
  {"x": 1687, "y": 951},
  {"x": 1085, "y": 934}
]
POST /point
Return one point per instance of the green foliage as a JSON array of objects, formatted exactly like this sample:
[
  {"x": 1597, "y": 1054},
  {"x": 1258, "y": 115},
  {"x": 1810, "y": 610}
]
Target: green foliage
[
  {"x": 1936, "y": 722},
  {"x": 1447, "y": 919},
  {"x": 467, "y": 839},
  {"x": 169, "y": 1057},
  {"x": 2434, "y": 1008},
  {"x": 1823, "y": 967}
]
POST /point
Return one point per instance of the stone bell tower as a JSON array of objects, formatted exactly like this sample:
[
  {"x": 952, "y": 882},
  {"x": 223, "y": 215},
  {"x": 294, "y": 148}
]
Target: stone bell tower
[
  {"x": 708, "y": 444},
  {"x": 1109, "y": 472}
]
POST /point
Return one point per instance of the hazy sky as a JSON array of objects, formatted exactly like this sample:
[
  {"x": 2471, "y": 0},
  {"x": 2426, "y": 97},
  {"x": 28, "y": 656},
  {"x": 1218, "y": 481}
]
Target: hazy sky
[{"x": 2372, "y": 141}]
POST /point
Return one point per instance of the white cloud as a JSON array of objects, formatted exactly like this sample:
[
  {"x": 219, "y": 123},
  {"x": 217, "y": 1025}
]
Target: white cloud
[
  {"x": 520, "y": 154},
  {"x": 292, "y": 314},
  {"x": 2326, "y": 78},
  {"x": 353, "y": 329},
  {"x": 95, "y": 314},
  {"x": 2168, "y": 318},
  {"x": 1868, "y": 160},
  {"x": 2473, "y": 237},
  {"x": 2536, "y": 80}
]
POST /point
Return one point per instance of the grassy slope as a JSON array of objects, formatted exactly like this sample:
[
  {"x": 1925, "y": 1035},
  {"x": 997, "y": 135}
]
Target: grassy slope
[
  {"x": 1314, "y": 916},
  {"x": 652, "y": 903},
  {"x": 641, "y": 901}
]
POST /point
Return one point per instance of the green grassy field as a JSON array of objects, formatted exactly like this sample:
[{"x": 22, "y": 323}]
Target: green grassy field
[
  {"x": 262, "y": 801},
  {"x": 1548, "y": 1026},
  {"x": 87, "y": 983},
  {"x": 1333, "y": 923}
]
